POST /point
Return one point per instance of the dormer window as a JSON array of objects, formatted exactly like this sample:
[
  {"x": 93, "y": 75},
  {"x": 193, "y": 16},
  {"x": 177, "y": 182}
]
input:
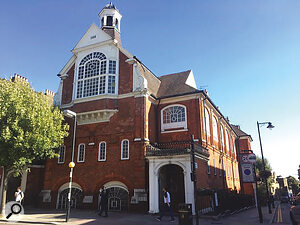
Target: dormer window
[
  {"x": 96, "y": 76},
  {"x": 173, "y": 117}
]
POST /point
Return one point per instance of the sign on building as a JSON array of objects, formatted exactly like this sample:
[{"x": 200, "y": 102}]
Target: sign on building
[{"x": 247, "y": 173}]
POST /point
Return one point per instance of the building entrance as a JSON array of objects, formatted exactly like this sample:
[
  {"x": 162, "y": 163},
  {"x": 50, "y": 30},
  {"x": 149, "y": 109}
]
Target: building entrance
[
  {"x": 171, "y": 177},
  {"x": 117, "y": 199}
]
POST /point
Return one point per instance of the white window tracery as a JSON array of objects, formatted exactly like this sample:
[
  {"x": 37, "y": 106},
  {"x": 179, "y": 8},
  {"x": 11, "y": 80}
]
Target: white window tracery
[
  {"x": 173, "y": 116},
  {"x": 96, "y": 76}
]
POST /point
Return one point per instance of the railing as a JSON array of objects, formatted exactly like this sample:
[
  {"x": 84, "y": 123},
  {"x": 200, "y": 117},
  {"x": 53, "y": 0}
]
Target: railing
[{"x": 176, "y": 148}]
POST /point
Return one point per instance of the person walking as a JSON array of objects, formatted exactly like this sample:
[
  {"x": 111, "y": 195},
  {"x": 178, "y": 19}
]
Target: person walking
[
  {"x": 19, "y": 195},
  {"x": 166, "y": 206},
  {"x": 103, "y": 202}
]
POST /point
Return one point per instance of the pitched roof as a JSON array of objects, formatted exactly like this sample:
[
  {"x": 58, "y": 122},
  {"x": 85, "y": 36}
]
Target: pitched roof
[
  {"x": 175, "y": 84},
  {"x": 239, "y": 132}
]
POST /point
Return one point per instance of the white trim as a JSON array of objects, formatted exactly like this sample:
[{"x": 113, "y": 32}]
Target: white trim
[
  {"x": 68, "y": 65},
  {"x": 119, "y": 184},
  {"x": 83, "y": 152},
  {"x": 165, "y": 126},
  {"x": 123, "y": 150},
  {"x": 101, "y": 160}
]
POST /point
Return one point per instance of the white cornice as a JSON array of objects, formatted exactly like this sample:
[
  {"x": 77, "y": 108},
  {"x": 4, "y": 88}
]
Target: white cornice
[
  {"x": 179, "y": 98},
  {"x": 75, "y": 51},
  {"x": 97, "y": 116},
  {"x": 68, "y": 65}
]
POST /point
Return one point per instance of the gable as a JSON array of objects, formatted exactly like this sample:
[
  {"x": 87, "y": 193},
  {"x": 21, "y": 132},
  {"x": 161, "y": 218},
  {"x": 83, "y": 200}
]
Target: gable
[{"x": 93, "y": 35}]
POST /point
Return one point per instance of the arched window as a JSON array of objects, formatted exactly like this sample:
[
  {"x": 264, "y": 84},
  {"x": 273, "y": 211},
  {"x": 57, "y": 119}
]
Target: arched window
[
  {"x": 109, "y": 21},
  {"x": 102, "y": 151},
  {"x": 215, "y": 128},
  {"x": 95, "y": 77},
  {"x": 125, "y": 149},
  {"x": 62, "y": 150},
  {"x": 231, "y": 145},
  {"x": 206, "y": 119},
  {"x": 227, "y": 141},
  {"x": 81, "y": 153},
  {"x": 222, "y": 137},
  {"x": 173, "y": 117}
]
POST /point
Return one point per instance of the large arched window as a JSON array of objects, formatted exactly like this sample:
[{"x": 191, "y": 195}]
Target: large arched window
[
  {"x": 81, "y": 153},
  {"x": 96, "y": 76},
  {"x": 173, "y": 117},
  {"x": 125, "y": 149},
  {"x": 206, "y": 119},
  {"x": 102, "y": 151},
  {"x": 215, "y": 128},
  {"x": 231, "y": 145}
]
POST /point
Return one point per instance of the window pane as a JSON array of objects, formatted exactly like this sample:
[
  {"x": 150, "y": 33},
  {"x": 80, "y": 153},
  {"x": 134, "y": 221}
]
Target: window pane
[
  {"x": 91, "y": 68},
  {"x": 125, "y": 149},
  {"x": 61, "y": 158},
  {"x": 174, "y": 114},
  {"x": 81, "y": 153},
  {"x": 80, "y": 72},
  {"x": 102, "y": 85},
  {"x": 111, "y": 84},
  {"x": 103, "y": 67},
  {"x": 102, "y": 151},
  {"x": 79, "y": 89},
  {"x": 207, "y": 122},
  {"x": 90, "y": 87},
  {"x": 112, "y": 67}
]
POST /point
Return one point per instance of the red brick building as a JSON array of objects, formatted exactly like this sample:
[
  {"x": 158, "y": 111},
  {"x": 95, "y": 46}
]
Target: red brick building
[{"x": 133, "y": 129}]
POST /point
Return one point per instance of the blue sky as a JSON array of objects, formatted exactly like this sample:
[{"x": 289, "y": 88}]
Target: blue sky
[{"x": 246, "y": 53}]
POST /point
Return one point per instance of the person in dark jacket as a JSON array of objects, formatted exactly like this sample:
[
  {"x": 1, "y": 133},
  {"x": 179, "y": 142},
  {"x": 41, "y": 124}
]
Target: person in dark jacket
[{"x": 103, "y": 202}]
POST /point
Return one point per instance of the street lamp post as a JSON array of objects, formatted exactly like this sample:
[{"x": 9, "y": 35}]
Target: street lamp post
[
  {"x": 270, "y": 126},
  {"x": 71, "y": 114}
]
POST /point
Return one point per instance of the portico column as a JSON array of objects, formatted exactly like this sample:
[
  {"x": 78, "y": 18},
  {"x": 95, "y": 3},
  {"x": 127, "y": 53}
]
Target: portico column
[{"x": 153, "y": 188}]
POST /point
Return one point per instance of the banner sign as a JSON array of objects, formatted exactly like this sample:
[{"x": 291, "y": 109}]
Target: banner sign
[{"x": 247, "y": 173}]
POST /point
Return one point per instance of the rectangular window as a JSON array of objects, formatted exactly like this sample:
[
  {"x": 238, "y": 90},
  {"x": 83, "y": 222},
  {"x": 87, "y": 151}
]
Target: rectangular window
[
  {"x": 208, "y": 168},
  {"x": 111, "y": 84},
  {"x": 61, "y": 152},
  {"x": 220, "y": 167},
  {"x": 112, "y": 67}
]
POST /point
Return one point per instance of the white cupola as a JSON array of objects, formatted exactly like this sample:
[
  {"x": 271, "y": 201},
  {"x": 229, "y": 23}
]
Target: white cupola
[{"x": 110, "y": 21}]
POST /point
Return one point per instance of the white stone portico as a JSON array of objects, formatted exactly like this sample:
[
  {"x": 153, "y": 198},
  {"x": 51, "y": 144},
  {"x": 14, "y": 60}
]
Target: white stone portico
[{"x": 157, "y": 162}]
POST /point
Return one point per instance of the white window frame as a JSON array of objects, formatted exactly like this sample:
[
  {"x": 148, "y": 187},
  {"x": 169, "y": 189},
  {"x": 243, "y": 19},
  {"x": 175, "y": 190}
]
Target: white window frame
[
  {"x": 227, "y": 141},
  {"x": 206, "y": 121},
  {"x": 78, "y": 152},
  {"x": 180, "y": 125},
  {"x": 215, "y": 128},
  {"x": 58, "y": 160},
  {"x": 106, "y": 75},
  {"x": 99, "y": 151},
  {"x": 123, "y": 158}
]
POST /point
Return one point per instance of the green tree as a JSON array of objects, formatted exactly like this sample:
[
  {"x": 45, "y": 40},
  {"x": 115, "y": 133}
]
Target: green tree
[
  {"x": 30, "y": 129},
  {"x": 262, "y": 191},
  {"x": 293, "y": 184}
]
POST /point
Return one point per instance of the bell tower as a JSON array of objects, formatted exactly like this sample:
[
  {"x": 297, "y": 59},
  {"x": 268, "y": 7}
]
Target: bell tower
[{"x": 110, "y": 21}]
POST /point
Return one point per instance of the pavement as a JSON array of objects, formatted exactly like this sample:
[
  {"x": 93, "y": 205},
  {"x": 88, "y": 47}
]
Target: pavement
[{"x": 88, "y": 217}]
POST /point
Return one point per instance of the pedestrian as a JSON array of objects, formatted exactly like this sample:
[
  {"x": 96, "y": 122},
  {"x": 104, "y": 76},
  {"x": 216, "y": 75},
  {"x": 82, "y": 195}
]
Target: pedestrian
[
  {"x": 166, "y": 206},
  {"x": 103, "y": 202},
  {"x": 19, "y": 195},
  {"x": 99, "y": 199}
]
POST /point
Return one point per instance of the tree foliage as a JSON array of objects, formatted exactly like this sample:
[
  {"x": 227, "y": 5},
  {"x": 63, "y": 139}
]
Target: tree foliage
[
  {"x": 293, "y": 184},
  {"x": 30, "y": 127}
]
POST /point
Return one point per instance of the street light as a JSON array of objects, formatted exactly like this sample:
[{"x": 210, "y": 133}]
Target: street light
[
  {"x": 71, "y": 114},
  {"x": 270, "y": 126}
]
